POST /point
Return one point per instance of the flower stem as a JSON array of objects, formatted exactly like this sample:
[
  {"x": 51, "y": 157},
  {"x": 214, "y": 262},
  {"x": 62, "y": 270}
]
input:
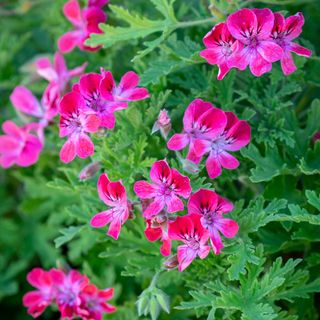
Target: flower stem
[{"x": 187, "y": 24}]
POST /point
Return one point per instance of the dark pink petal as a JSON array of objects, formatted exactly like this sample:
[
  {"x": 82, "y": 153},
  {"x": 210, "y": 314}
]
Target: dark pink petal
[
  {"x": 84, "y": 146},
  {"x": 31, "y": 152},
  {"x": 68, "y": 41},
  {"x": 270, "y": 51},
  {"x": 108, "y": 308},
  {"x": 144, "y": 190},
  {"x": 180, "y": 184},
  {"x": 293, "y": 26},
  {"x": 218, "y": 32},
  {"x": 216, "y": 241},
  {"x": 43, "y": 63},
  {"x": 160, "y": 172},
  {"x": 228, "y": 161},
  {"x": 89, "y": 84},
  {"x": 213, "y": 167},
  {"x": 241, "y": 21},
  {"x": 6, "y": 161},
  {"x": 240, "y": 58},
  {"x": 102, "y": 219},
  {"x": 240, "y": 135},
  {"x": 93, "y": 16},
  {"x": 34, "y": 278},
  {"x": 201, "y": 147},
  {"x": 203, "y": 252},
  {"x": 107, "y": 120},
  {"x": 153, "y": 209},
  {"x": 165, "y": 249},
  {"x": 92, "y": 123},
  {"x": 174, "y": 204},
  {"x": 259, "y": 66},
  {"x": 60, "y": 64},
  {"x": 11, "y": 129},
  {"x": 224, "y": 205},
  {"x": 58, "y": 276},
  {"x": 185, "y": 256},
  {"x": 178, "y": 141},
  {"x": 212, "y": 55},
  {"x": 201, "y": 200},
  {"x": 153, "y": 234},
  {"x": 129, "y": 81},
  {"x": 195, "y": 109},
  {"x": 115, "y": 228},
  {"x": 97, "y": 3},
  {"x": 265, "y": 19},
  {"x": 137, "y": 94},
  {"x": 24, "y": 101},
  {"x": 223, "y": 70},
  {"x": 227, "y": 227},
  {"x": 72, "y": 12},
  {"x": 279, "y": 23},
  {"x": 287, "y": 64},
  {"x": 9, "y": 145},
  {"x": 299, "y": 50},
  {"x": 191, "y": 156},
  {"x": 107, "y": 86},
  {"x": 117, "y": 192},
  {"x": 71, "y": 103},
  {"x": 31, "y": 298},
  {"x": 180, "y": 227},
  {"x": 106, "y": 294},
  {"x": 68, "y": 151}
]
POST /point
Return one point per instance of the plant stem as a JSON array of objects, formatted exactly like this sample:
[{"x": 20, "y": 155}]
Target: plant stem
[{"x": 186, "y": 24}]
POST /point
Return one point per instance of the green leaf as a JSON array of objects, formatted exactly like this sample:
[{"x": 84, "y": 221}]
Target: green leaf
[{"x": 67, "y": 235}]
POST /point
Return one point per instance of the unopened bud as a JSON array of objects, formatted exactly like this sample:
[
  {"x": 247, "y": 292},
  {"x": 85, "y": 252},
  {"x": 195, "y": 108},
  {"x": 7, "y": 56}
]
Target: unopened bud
[
  {"x": 171, "y": 263},
  {"x": 163, "y": 124},
  {"x": 216, "y": 12},
  {"x": 131, "y": 210},
  {"x": 316, "y": 137},
  {"x": 190, "y": 166},
  {"x": 89, "y": 171}
]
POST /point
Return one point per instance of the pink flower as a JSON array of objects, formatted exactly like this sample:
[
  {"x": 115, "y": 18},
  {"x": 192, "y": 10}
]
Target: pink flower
[
  {"x": 75, "y": 125},
  {"x": 93, "y": 302},
  {"x": 157, "y": 229},
  {"x": 235, "y": 135},
  {"x": 211, "y": 208},
  {"x": 68, "y": 289},
  {"x": 126, "y": 91},
  {"x": 201, "y": 121},
  {"x": 221, "y": 46},
  {"x": 24, "y": 101},
  {"x": 85, "y": 22},
  {"x": 58, "y": 72},
  {"x": 18, "y": 145},
  {"x": 97, "y": 3},
  {"x": 253, "y": 29},
  {"x": 38, "y": 300},
  {"x": 283, "y": 32},
  {"x": 190, "y": 231},
  {"x": 168, "y": 185},
  {"x": 114, "y": 195}
]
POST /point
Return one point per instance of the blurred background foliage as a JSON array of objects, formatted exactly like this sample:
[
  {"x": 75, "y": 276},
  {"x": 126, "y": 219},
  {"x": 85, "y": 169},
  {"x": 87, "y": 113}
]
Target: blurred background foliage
[{"x": 45, "y": 210}]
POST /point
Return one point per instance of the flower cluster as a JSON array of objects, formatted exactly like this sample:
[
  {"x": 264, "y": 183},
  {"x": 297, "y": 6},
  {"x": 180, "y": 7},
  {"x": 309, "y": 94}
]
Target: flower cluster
[
  {"x": 254, "y": 38},
  {"x": 72, "y": 292},
  {"x": 91, "y": 105},
  {"x": 209, "y": 130},
  {"x": 22, "y": 145},
  {"x": 84, "y": 21}
]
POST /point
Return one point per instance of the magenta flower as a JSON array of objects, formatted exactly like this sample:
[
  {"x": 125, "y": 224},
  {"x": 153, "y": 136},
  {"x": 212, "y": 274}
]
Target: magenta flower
[
  {"x": 18, "y": 145},
  {"x": 236, "y": 135},
  {"x": 168, "y": 185},
  {"x": 38, "y": 300},
  {"x": 157, "y": 229},
  {"x": 126, "y": 91},
  {"x": 221, "y": 46},
  {"x": 24, "y": 101},
  {"x": 97, "y": 3},
  {"x": 85, "y": 22},
  {"x": 93, "y": 302},
  {"x": 201, "y": 121},
  {"x": 283, "y": 32},
  {"x": 114, "y": 195},
  {"x": 58, "y": 72},
  {"x": 75, "y": 124},
  {"x": 190, "y": 231},
  {"x": 211, "y": 208},
  {"x": 253, "y": 29},
  {"x": 68, "y": 289}
]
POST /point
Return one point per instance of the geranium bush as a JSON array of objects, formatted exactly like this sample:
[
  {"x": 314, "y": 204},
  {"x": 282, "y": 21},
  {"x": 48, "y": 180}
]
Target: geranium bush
[{"x": 160, "y": 159}]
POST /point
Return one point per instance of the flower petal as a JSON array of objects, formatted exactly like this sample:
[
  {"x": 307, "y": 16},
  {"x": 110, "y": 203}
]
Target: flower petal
[
  {"x": 153, "y": 209},
  {"x": 270, "y": 51},
  {"x": 216, "y": 241},
  {"x": 72, "y": 12},
  {"x": 174, "y": 204},
  {"x": 203, "y": 199},
  {"x": 92, "y": 123},
  {"x": 68, "y": 41},
  {"x": 178, "y": 141},
  {"x": 287, "y": 64},
  {"x": 102, "y": 219},
  {"x": 228, "y": 161},
  {"x": 227, "y": 227},
  {"x": 265, "y": 19},
  {"x": 68, "y": 151},
  {"x": 181, "y": 184},
  {"x": 185, "y": 256},
  {"x": 213, "y": 167},
  {"x": 259, "y": 66},
  {"x": 240, "y": 135},
  {"x": 129, "y": 81},
  {"x": 195, "y": 109},
  {"x": 144, "y": 190},
  {"x": 84, "y": 146},
  {"x": 299, "y": 50},
  {"x": 115, "y": 228},
  {"x": 137, "y": 94},
  {"x": 161, "y": 173},
  {"x": 107, "y": 86}
]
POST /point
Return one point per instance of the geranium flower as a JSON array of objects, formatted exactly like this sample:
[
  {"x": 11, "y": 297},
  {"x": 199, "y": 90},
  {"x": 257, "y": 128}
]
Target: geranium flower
[
  {"x": 221, "y": 46},
  {"x": 190, "y": 231},
  {"x": 168, "y": 185},
  {"x": 58, "y": 72},
  {"x": 93, "y": 302},
  {"x": 18, "y": 145},
  {"x": 235, "y": 135},
  {"x": 157, "y": 229},
  {"x": 126, "y": 91},
  {"x": 68, "y": 289},
  {"x": 24, "y": 101},
  {"x": 283, "y": 32},
  {"x": 114, "y": 195},
  {"x": 253, "y": 29},
  {"x": 85, "y": 22},
  {"x": 38, "y": 300},
  {"x": 201, "y": 120},
  {"x": 75, "y": 125},
  {"x": 211, "y": 208}
]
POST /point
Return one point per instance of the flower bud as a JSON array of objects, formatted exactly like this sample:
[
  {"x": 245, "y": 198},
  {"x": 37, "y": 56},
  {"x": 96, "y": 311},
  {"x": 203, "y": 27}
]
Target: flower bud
[
  {"x": 316, "y": 137},
  {"x": 171, "y": 263},
  {"x": 189, "y": 166},
  {"x": 163, "y": 124},
  {"x": 89, "y": 171}
]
